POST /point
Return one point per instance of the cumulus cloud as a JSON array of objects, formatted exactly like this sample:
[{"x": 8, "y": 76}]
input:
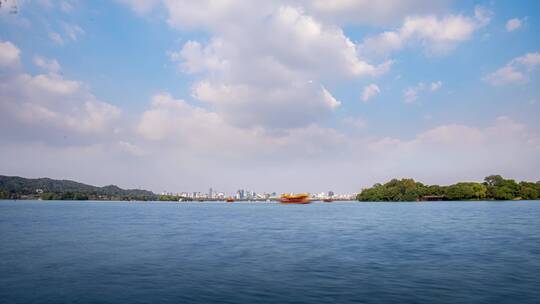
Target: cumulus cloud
[
  {"x": 513, "y": 24},
  {"x": 37, "y": 103},
  {"x": 176, "y": 120},
  {"x": 9, "y": 54},
  {"x": 278, "y": 82},
  {"x": 177, "y": 123},
  {"x": 514, "y": 72},
  {"x": 436, "y": 35},
  {"x": 370, "y": 91}
]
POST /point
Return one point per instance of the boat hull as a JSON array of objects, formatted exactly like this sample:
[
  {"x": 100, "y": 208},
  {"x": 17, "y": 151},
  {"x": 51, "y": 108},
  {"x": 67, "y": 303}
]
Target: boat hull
[{"x": 295, "y": 201}]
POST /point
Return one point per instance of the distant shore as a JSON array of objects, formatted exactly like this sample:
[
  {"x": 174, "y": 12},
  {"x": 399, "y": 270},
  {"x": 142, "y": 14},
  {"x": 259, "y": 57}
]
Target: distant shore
[{"x": 494, "y": 187}]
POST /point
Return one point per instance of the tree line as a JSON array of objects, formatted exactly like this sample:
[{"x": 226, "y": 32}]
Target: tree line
[{"x": 494, "y": 187}]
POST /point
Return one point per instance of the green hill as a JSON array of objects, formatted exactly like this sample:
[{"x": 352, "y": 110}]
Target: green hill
[{"x": 46, "y": 188}]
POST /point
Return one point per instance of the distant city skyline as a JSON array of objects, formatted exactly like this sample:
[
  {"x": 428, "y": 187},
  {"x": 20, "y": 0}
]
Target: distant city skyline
[
  {"x": 243, "y": 194},
  {"x": 291, "y": 95}
]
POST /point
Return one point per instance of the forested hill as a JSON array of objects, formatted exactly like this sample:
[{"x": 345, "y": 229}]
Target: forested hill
[
  {"x": 46, "y": 188},
  {"x": 494, "y": 187}
]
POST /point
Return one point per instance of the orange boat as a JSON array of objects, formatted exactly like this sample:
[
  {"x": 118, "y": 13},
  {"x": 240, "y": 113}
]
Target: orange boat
[
  {"x": 229, "y": 200},
  {"x": 295, "y": 199}
]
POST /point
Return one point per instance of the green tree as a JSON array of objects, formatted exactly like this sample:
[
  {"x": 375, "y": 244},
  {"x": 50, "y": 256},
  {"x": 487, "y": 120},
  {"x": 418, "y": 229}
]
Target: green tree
[
  {"x": 493, "y": 180},
  {"x": 529, "y": 191},
  {"x": 499, "y": 188},
  {"x": 394, "y": 190},
  {"x": 466, "y": 191}
]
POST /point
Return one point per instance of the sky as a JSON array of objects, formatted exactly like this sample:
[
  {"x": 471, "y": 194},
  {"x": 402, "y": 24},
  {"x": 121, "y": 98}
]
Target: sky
[{"x": 285, "y": 95}]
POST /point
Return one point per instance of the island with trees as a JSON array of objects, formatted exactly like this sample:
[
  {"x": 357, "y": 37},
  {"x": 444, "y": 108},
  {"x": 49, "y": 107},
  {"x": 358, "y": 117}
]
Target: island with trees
[{"x": 494, "y": 187}]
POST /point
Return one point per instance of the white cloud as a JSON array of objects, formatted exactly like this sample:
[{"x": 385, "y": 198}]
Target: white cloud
[
  {"x": 370, "y": 91},
  {"x": 276, "y": 82},
  {"x": 506, "y": 75},
  {"x": 174, "y": 119},
  {"x": 198, "y": 131},
  {"x": 371, "y": 12},
  {"x": 513, "y": 24},
  {"x": 51, "y": 65},
  {"x": 51, "y": 101},
  {"x": 530, "y": 60},
  {"x": 514, "y": 72},
  {"x": 211, "y": 13},
  {"x": 33, "y": 104},
  {"x": 287, "y": 106},
  {"x": 435, "y": 35},
  {"x": 195, "y": 58},
  {"x": 9, "y": 54},
  {"x": 330, "y": 100},
  {"x": 52, "y": 84}
]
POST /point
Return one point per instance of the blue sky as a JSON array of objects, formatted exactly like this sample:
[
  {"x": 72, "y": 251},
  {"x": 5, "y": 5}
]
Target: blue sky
[{"x": 277, "y": 96}]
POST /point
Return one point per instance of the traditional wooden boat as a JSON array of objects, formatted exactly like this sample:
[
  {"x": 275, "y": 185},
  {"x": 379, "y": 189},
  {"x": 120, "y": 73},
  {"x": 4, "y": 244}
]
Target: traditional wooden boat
[
  {"x": 327, "y": 200},
  {"x": 229, "y": 200},
  {"x": 295, "y": 199}
]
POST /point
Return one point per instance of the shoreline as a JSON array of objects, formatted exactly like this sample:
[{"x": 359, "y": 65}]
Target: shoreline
[{"x": 266, "y": 201}]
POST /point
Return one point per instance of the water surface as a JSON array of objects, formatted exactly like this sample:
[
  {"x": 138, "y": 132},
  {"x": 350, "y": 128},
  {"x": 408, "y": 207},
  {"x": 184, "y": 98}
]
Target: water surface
[{"x": 116, "y": 252}]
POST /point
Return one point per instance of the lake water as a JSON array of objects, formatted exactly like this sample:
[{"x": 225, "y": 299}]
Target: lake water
[{"x": 115, "y": 252}]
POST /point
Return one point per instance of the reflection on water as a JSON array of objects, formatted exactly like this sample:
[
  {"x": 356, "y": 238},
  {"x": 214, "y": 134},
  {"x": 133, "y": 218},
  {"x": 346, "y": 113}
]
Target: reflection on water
[{"x": 441, "y": 252}]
